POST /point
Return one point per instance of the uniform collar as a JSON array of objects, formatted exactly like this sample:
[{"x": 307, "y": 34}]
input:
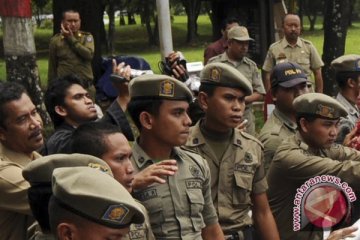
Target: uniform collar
[
  {"x": 284, "y": 43},
  {"x": 196, "y": 138},
  {"x": 143, "y": 160},
  {"x": 225, "y": 58},
  {"x": 350, "y": 108},
  {"x": 17, "y": 157},
  {"x": 284, "y": 119}
]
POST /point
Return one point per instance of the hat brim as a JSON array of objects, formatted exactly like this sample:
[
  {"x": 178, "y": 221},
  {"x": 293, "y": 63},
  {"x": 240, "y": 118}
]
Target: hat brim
[
  {"x": 243, "y": 39},
  {"x": 293, "y": 82}
]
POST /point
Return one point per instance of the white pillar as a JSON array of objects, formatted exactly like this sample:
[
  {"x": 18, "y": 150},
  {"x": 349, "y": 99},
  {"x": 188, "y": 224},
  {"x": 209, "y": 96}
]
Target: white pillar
[{"x": 165, "y": 36}]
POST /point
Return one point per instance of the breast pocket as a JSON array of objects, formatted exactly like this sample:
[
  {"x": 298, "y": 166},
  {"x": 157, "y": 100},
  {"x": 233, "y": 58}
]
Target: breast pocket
[
  {"x": 304, "y": 62},
  {"x": 155, "y": 210},
  {"x": 243, "y": 188},
  {"x": 196, "y": 201}
]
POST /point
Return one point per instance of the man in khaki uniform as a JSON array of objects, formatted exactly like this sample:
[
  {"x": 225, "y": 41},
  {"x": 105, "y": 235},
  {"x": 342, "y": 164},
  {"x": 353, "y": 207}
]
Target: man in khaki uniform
[
  {"x": 89, "y": 204},
  {"x": 20, "y": 137},
  {"x": 107, "y": 142},
  {"x": 179, "y": 203},
  {"x": 39, "y": 174},
  {"x": 71, "y": 51},
  {"x": 295, "y": 49},
  {"x": 288, "y": 81},
  {"x": 235, "y": 158},
  {"x": 311, "y": 152},
  {"x": 235, "y": 55},
  {"x": 347, "y": 69}
]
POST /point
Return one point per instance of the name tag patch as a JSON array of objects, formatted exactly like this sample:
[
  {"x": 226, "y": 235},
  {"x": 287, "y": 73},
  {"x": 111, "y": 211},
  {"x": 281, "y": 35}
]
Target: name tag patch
[
  {"x": 147, "y": 194},
  {"x": 193, "y": 184}
]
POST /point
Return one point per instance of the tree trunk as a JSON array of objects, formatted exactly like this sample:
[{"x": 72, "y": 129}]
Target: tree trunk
[
  {"x": 111, "y": 31},
  {"x": 192, "y": 9},
  {"x": 19, "y": 51},
  {"x": 336, "y": 21},
  {"x": 312, "y": 20}
]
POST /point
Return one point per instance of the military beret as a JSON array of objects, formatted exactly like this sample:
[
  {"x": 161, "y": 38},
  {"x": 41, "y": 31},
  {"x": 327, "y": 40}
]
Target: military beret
[
  {"x": 347, "y": 63},
  {"x": 224, "y": 75},
  {"x": 287, "y": 75},
  {"x": 41, "y": 169},
  {"x": 95, "y": 196},
  {"x": 239, "y": 33},
  {"x": 320, "y": 105},
  {"x": 159, "y": 87}
]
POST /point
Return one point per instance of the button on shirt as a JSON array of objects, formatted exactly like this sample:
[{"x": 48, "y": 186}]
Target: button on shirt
[{"x": 181, "y": 207}]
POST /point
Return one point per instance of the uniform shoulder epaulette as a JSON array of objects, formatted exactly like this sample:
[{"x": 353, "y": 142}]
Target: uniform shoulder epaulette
[
  {"x": 275, "y": 43},
  {"x": 306, "y": 41},
  {"x": 249, "y": 61},
  {"x": 200, "y": 160},
  {"x": 213, "y": 58},
  {"x": 251, "y": 137}
]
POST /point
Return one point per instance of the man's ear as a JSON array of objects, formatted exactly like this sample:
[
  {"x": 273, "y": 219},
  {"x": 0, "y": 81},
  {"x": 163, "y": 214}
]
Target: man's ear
[
  {"x": 304, "y": 125},
  {"x": 203, "y": 100},
  {"x": 146, "y": 120},
  {"x": 61, "y": 111},
  {"x": 351, "y": 83},
  {"x": 66, "y": 231},
  {"x": 2, "y": 134}
]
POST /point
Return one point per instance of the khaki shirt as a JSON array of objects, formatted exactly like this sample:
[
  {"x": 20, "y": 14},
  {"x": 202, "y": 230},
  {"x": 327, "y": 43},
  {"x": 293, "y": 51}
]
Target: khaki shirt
[
  {"x": 15, "y": 213},
  {"x": 234, "y": 177},
  {"x": 250, "y": 70},
  {"x": 141, "y": 231},
  {"x": 181, "y": 207},
  {"x": 71, "y": 55},
  {"x": 304, "y": 53},
  {"x": 348, "y": 123},
  {"x": 294, "y": 163},
  {"x": 277, "y": 128}
]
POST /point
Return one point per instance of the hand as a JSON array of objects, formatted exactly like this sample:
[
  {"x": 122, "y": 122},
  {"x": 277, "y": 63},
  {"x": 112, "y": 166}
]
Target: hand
[
  {"x": 178, "y": 70},
  {"x": 121, "y": 70},
  {"x": 65, "y": 31},
  {"x": 154, "y": 173},
  {"x": 351, "y": 139},
  {"x": 342, "y": 233}
]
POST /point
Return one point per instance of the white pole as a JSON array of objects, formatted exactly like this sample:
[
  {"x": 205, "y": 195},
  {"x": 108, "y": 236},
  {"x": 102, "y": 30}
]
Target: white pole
[{"x": 165, "y": 36}]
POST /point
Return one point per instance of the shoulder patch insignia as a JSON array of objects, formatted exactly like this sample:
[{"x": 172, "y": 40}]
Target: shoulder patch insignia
[
  {"x": 89, "y": 38},
  {"x": 116, "y": 213},
  {"x": 167, "y": 89},
  {"x": 248, "y": 157}
]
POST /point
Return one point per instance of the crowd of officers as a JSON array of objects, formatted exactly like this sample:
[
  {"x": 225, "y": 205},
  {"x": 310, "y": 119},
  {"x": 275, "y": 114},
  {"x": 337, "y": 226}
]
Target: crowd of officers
[{"x": 146, "y": 170}]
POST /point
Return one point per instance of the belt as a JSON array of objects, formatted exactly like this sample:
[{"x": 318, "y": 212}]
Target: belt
[{"x": 246, "y": 233}]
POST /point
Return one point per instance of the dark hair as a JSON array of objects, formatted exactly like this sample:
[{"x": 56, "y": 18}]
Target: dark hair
[
  {"x": 208, "y": 89},
  {"x": 10, "y": 91},
  {"x": 58, "y": 214},
  {"x": 69, "y": 11},
  {"x": 56, "y": 93},
  {"x": 228, "y": 21},
  {"x": 89, "y": 138},
  {"x": 39, "y": 196},
  {"x": 342, "y": 77},
  {"x": 137, "y": 106},
  {"x": 307, "y": 117}
]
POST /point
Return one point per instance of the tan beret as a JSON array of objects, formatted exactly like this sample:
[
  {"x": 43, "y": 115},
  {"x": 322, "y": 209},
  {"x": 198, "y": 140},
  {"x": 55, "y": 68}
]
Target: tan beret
[
  {"x": 239, "y": 33},
  {"x": 95, "y": 196},
  {"x": 347, "y": 63},
  {"x": 41, "y": 169},
  {"x": 159, "y": 87},
  {"x": 319, "y": 105},
  {"x": 222, "y": 74}
]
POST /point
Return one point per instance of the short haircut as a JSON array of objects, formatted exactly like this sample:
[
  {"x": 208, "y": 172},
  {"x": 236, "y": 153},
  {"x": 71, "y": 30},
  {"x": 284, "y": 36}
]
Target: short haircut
[
  {"x": 137, "y": 106},
  {"x": 89, "y": 138},
  {"x": 342, "y": 77},
  {"x": 69, "y": 11},
  {"x": 288, "y": 14},
  {"x": 228, "y": 21},
  {"x": 307, "y": 117},
  {"x": 10, "y": 91},
  {"x": 39, "y": 196},
  {"x": 209, "y": 89},
  {"x": 59, "y": 214},
  {"x": 56, "y": 93}
]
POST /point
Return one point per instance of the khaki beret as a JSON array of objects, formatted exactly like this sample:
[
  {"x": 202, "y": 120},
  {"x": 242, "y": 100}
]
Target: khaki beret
[
  {"x": 347, "y": 63},
  {"x": 95, "y": 196},
  {"x": 41, "y": 169},
  {"x": 320, "y": 105},
  {"x": 159, "y": 87},
  {"x": 287, "y": 75},
  {"x": 239, "y": 33},
  {"x": 224, "y": 75}
]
